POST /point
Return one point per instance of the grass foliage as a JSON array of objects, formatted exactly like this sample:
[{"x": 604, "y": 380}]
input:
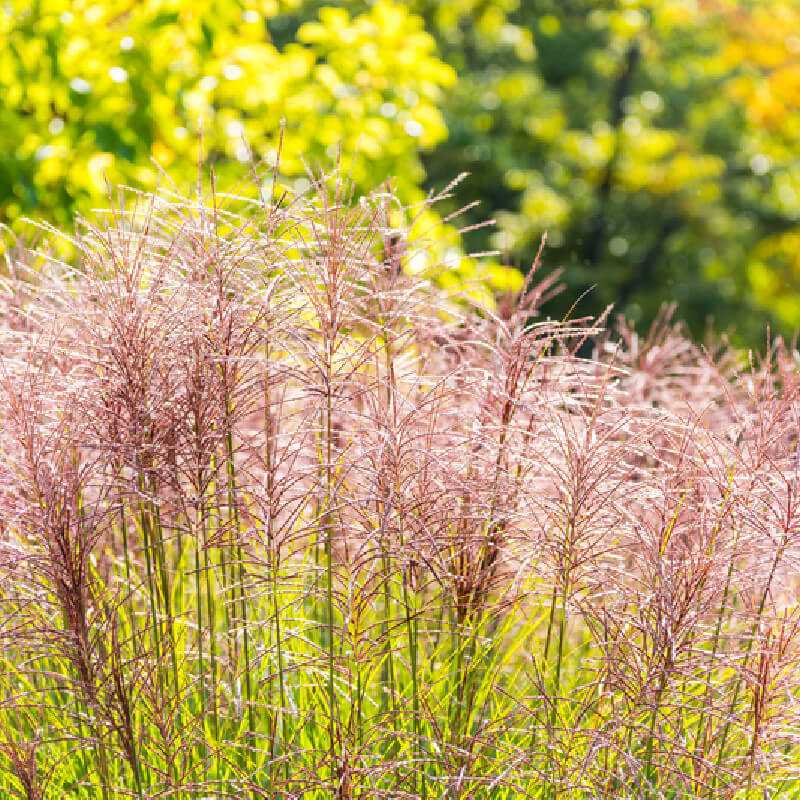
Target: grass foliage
[{"x": 281, "y": 519}]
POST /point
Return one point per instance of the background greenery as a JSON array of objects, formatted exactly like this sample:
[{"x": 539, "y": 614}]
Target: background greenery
[{"x": 654, "y": 140}]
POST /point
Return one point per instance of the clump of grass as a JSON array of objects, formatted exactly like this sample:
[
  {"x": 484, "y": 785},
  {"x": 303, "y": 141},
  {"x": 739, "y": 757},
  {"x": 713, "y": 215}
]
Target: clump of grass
[{"x": 281, "y": 519}]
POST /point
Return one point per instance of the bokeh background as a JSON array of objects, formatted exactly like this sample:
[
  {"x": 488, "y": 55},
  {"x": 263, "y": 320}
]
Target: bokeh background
[{"x": 655, "y": 141}]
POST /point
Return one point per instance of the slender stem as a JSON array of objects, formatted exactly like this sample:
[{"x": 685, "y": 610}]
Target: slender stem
[
  {"x": 333, "y": 705},
  {"x": 212, "y": 648},
  {"x": 748, "y": 651},
  {"x": 232, "y": 503},
  {"x": 199, "y": 539},
  {"x": 412, "y": 635},
  {"x": 151, "y": 588}
]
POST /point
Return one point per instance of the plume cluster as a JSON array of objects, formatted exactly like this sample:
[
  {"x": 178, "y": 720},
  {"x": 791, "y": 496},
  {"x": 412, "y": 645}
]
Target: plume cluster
[{"x": 283, "y": 519}]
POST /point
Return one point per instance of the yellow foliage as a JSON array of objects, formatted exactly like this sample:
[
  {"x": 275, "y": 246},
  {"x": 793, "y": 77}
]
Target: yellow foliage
[
  {"x": 117, "y": 84},
  {"x": 93, "y": 92}
]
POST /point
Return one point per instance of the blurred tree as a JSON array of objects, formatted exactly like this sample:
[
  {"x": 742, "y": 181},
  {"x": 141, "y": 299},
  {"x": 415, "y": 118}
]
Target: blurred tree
[
  {"x": 117, "y": 92},
  {"x": 764, "y": 52},
  {"x": 95, "y": 90},
  {"x": 654, "y": 140}
]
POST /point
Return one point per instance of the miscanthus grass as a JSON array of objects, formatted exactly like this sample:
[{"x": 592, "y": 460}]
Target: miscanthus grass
[{"x": 281, "y": 519}]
